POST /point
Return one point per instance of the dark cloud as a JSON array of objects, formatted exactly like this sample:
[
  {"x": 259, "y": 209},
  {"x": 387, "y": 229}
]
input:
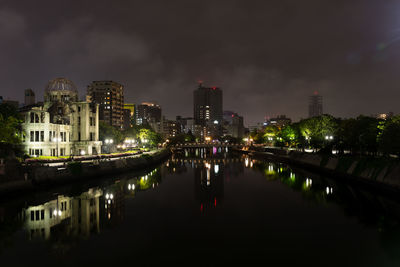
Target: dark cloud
[{"x": 267, "y": 56}]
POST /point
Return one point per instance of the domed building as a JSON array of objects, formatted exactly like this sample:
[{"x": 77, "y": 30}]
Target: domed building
[{"x": 62, "y": 125}]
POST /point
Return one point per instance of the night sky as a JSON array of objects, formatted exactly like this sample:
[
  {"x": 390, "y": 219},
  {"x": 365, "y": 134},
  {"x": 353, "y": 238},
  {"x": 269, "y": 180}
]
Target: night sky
[{"x": 267, "y": 56}]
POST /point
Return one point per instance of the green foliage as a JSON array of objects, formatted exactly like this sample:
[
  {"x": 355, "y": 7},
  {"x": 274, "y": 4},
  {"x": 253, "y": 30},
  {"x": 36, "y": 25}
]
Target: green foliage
[
  {"x": 109, "y": 132},
  {"x": 389, "y": 139},
  {"x": 182, "y": 138}
]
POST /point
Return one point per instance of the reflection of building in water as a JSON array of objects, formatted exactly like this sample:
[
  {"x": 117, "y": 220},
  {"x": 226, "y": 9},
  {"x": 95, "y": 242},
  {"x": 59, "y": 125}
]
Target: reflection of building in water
[
  {"x": 86, "y": 213},
  {"x": 113, "y": 205},
  {"x": 41, "y": 220},
  {"x": 209, "y": 184},
  {"x": 64, "y": 216}
]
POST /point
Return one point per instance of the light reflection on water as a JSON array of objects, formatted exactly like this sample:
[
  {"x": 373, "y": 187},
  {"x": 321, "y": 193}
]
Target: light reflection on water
[{"x": 212, "y": 171}]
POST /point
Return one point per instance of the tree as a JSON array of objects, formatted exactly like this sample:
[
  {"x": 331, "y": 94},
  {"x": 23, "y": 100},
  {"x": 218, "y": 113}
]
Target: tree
[
  {"x": 389, "y": 139},
  {"x": 107, "y": 131}
]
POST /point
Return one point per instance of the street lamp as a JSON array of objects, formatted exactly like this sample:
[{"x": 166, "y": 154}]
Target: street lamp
[
  {"x": 57, "y": 139},
  {"x": 108, "y": 143}
]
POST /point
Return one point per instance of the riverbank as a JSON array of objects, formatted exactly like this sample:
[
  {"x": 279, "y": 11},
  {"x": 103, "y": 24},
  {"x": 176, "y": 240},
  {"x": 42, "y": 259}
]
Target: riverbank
[
  {"x": 381, "y": 173},
  {"x": 41, "y": 175}
]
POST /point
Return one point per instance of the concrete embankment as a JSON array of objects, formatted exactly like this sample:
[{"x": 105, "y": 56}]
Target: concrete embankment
[
  {"x": 41, "y": 175},
  {"x": 377, "y": 172}
]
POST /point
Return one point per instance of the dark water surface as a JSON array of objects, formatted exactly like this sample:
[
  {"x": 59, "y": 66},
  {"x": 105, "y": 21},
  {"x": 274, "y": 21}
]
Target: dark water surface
[{"x": 203, "y": 208}]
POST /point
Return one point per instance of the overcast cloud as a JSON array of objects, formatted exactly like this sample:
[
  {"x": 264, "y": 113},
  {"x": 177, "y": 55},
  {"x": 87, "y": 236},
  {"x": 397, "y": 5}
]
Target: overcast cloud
[{"x": 267, "y": 56}]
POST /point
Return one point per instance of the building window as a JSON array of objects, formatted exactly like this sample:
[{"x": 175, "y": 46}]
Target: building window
[
  {"x": 36, "y": 136},
  {"x": 37, "y": 215},
  {"x": 62, "y": 151},
  {"x": 41, "y": 136},
  {"x": 32, "y": 117},
  {"x": 50, "y": 213},
  {"x": 32, "y": 215},
  {"x": 79, "y": 136},
  {"x": 32, "y": 136},
  {"x": 79, "y": 120},
  {"x": 36, "y": 118},
  {"x": 79, "y": 109},
  {"x": 50, "y": 136},
  {"x": 42, "y": 117},
  {"x": 62, "y": 136},
  {"x": 42, "y": 214}
]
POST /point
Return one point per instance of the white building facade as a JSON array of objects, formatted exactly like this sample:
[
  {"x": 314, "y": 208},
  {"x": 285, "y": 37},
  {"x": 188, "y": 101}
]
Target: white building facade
[{"x": 62, "y": 125}]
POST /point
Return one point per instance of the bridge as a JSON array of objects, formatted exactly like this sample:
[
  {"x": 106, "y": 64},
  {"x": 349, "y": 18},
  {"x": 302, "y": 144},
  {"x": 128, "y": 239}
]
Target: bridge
[{"x": 206, "y": 145}]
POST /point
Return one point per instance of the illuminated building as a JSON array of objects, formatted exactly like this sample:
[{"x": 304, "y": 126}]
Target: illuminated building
[
  {"x": 207, "y": 105},
  {"x": 147, "y": 113},
  {"x": 110, "y": 96},
  {"x": 279, "y": 121},
  {"x": 315, "y": 105},
  {"x": 129, "y": 115},
  {"x": 62, "y": 125}
]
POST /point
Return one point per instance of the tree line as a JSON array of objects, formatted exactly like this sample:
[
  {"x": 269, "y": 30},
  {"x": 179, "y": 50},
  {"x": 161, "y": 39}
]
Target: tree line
[{"x": 363, "y": 135}]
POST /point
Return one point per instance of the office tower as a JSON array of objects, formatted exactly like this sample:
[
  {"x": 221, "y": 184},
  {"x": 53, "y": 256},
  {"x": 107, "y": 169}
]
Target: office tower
[
  {"x": 315, "y": 105},
  {"x": 110, "y": 96},
  {"x": 148, "y": 113},
  {"x": 207, "y": 105}
]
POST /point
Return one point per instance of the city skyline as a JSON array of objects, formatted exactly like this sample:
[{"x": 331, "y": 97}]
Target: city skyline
[{"x": 271, "y": 56}]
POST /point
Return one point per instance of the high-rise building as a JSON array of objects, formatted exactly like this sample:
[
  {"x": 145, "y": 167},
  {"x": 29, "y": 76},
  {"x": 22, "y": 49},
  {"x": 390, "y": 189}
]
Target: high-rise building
[
  {"x": 315, "y": 105},
  {"x": 207, "y": 105},
  {"x": 110, "y": 96},
  {"x": 208, "y": 110},
  {"x": 148, "y": 113},
  {"x": 29, "y": 97},
  {"x": 129, "y": 115}
]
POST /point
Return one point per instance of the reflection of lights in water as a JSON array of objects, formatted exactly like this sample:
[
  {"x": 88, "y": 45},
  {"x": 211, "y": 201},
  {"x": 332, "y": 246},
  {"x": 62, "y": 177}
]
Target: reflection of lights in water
[
  {"x": 109, "y": 216},
  {"x": 109, "y": 201},
  {"x": 270, "y": 167},
  {"x": 329, "y": 190},
  {"x": 251, "y": 164},
  {"x": 292, "y": 176},
  {"x": 174, "y": 169},
  {"x": 208, "y": 165},
  {"x": 214, "y": 150},
  {"x": 216, "y": 168},
  {"x": 308, "y": 182},
  {"x": 246, "y": 162},
  {"x": 129, "y": 187},
  {"x": 167, "y": 164},
  {"x": 219, "y": 150},
  {"x": 153, "y": 185},
  {"x": 226, "y": 149}
]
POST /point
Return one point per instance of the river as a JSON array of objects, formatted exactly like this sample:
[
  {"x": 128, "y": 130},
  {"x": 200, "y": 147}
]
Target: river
[{"x": 203, "y": 207}]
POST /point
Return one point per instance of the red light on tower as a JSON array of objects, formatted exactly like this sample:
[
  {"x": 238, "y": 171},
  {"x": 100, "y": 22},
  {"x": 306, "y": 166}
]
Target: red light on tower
[
  {"x": 214, "y": 87},
  {"x": 315, "y": 92}
]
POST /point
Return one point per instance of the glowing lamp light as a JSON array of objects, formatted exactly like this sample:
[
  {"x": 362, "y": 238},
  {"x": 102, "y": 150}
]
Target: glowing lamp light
[{"x": 216, "y": 168}]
